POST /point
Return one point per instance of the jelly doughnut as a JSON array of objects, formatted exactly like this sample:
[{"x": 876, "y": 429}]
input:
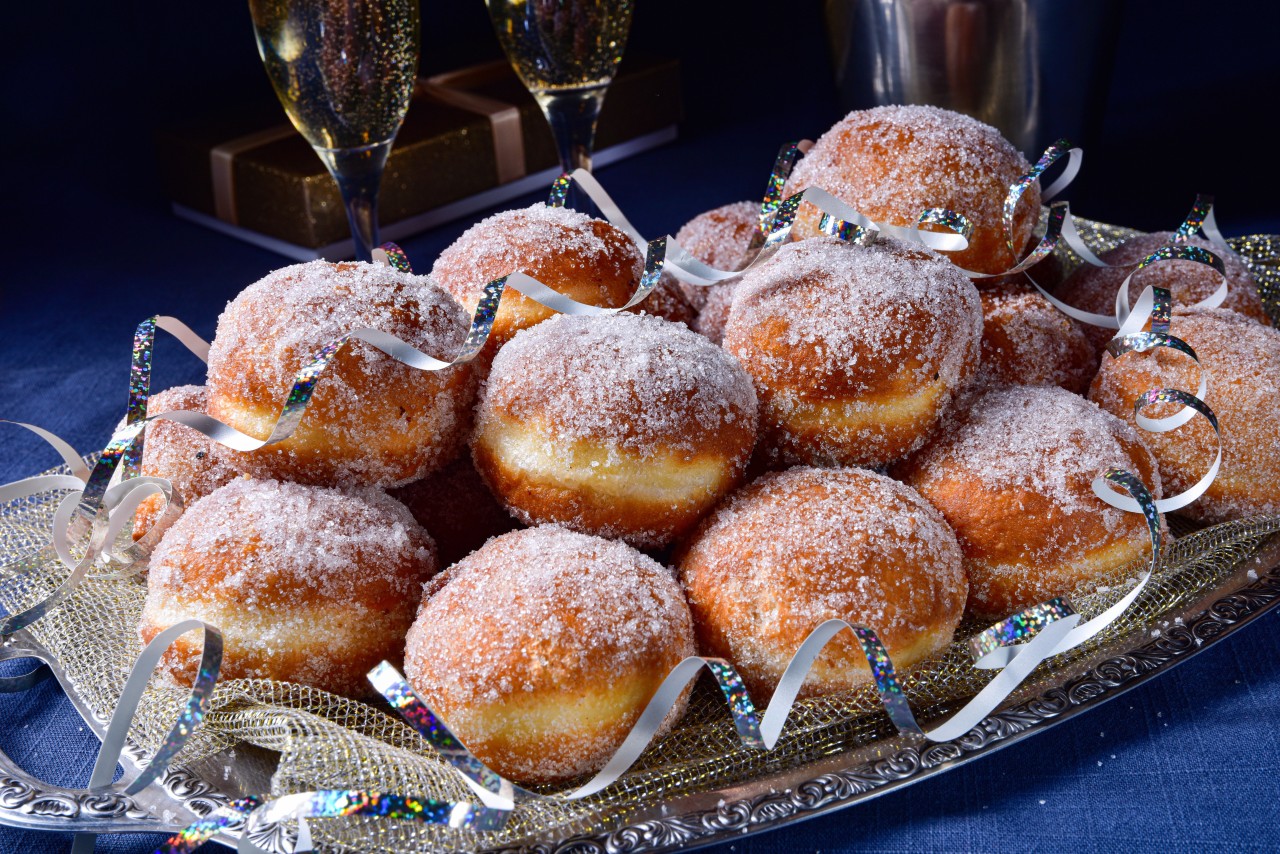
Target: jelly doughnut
[
  {"x": 583, "y": 258},
  {"x": 540, "y": 650},
  {"x": 892, "y": 163},
  {"x": 719, "y": 237},
  {"x": 184, "y": 457},
  {"x": 1013, "y": 478},
  {"x": 1027, "y": 341},
  {"x": 797, "y": 548},
  {"x": 856, "y": 351},
  {"x": 624, "y": 426},
  {"x": 1243, "y": 361},
  {"x": 308, "y": 584},
  {"x": 1094, "y": 289},
  {"x": 371, "y": 419},
  {"x": 456, "y": 508}
]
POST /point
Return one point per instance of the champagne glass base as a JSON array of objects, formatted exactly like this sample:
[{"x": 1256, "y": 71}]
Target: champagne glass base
[{"x": 358, "y": 173}]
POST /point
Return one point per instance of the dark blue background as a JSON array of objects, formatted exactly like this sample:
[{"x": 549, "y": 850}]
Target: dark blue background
[{"x": 1190, "y": 761}]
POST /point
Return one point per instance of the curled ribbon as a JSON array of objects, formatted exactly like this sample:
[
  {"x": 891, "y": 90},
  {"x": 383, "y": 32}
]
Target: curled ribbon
[
  {"x": 188, "y": 720},
  {"x": 1049, "y": 623}
]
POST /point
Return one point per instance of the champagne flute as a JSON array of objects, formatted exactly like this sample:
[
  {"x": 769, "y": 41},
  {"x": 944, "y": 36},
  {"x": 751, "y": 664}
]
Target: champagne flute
[
  {"x": 566, "y": 53},
  {"x": 344, "y": 71}
]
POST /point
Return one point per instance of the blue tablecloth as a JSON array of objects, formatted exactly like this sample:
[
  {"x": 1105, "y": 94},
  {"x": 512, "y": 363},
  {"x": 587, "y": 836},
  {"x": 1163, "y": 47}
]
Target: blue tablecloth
[{"x": 1190, "y": 761}]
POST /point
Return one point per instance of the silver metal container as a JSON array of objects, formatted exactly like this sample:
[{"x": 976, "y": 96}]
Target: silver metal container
[{"x": 979, "y": 57}]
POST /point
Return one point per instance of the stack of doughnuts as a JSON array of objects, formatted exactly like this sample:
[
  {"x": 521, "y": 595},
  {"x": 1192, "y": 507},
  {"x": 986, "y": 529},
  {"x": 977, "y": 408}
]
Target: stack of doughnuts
[{"x": 728, "y": 432}]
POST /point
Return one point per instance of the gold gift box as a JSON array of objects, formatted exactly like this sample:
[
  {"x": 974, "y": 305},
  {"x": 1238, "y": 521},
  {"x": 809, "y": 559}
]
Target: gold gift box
[{"x": 472, "y": 139}]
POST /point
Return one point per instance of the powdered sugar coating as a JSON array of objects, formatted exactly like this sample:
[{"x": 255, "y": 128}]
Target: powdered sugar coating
[
  {"x": 584, "y": 258},
  {"x": 718, "y": 237},
  {"x": 1242, "y": 359},
  {"x": 1027, "y": 341},
  {"x": 185, "y": 457},
  {"x": 1094, "y": 288},
  {"x": 307, "y": 583},
  {"x": 547, "y": 615},
  {"x": 371, "y": 419},
  {"x": 830, "y": 323},
  {"x": 714, "y": 316},
  {"x": 797, "y": 548},
  {"x": 1013, "y": 477},
  {"x": 893, "y": 162},
  {"x": 624, "y": 426},
  {"x": 667, "y": 301},
  {"x": 281, "y": 542},
  {"x": 634, "y": 382}
]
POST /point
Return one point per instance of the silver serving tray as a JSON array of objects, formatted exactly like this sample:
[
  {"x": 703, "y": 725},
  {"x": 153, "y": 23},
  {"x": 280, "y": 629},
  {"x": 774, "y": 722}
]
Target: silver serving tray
[{"x": 690, "y": 821}]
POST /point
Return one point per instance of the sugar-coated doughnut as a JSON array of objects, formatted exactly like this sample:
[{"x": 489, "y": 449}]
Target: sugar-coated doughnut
[
  {"x": 667, "y": 301},
  {"x": 714, "y": 316},
  {"x": 540, "y": 650},
  {"x": 1013, "y": 478},
  {"x": 308, "y": 584},
  {"x": 891, "y": 163},
  {"x": 1242, "y": 359},
  {"x": 856, "y": 351},
  {"x": 719, "y": 237},
  {"x": 1094, "y": 289},
  {"x": 624, "y": 426},
  {"x": 583, "y": 258},
  {"x": 800, "y": 547},
  {"x": 371, "y": 419},
  {"x": 183, "y": 456},
  {"x": 456, "y": 508},
  {"x": 1027, "y": 341}
]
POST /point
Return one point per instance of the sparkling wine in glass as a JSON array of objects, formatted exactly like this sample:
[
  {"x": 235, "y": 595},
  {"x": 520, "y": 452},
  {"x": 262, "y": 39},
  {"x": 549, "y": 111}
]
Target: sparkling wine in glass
[
  {"x": 344, "y": 71},
  {"x": 566, "y": 53}
]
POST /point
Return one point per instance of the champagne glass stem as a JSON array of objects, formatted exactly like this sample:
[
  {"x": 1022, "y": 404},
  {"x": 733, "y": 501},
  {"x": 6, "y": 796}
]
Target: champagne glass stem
[
  {"x": 358, "y": 172},
  {"x": 572, "y": 116}
]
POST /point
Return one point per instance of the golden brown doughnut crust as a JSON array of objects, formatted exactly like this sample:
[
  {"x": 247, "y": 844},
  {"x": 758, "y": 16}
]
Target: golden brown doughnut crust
[
  {"x": 541, "y": 649},
  {"x": 1027, "y": 341},
  {"x": 718, "y": 237},
  {"x": 371, "y": 420},
  {"x": 1094, "y": 289},
  {"x": 891, "y": 163},
  {"x": 583, "y": 258},
  {"x": 797, "y": 548},
  {"x": 1013, "y": 478},
  {"x": 183, "y": 456},
  {"x": 856, "y": 352},
  {"x": 1242, "y": 359},
  {"x": 623, "y": 426},
  {"x": 667, "y": 301},
  {"x": 307, "y": 584}
]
